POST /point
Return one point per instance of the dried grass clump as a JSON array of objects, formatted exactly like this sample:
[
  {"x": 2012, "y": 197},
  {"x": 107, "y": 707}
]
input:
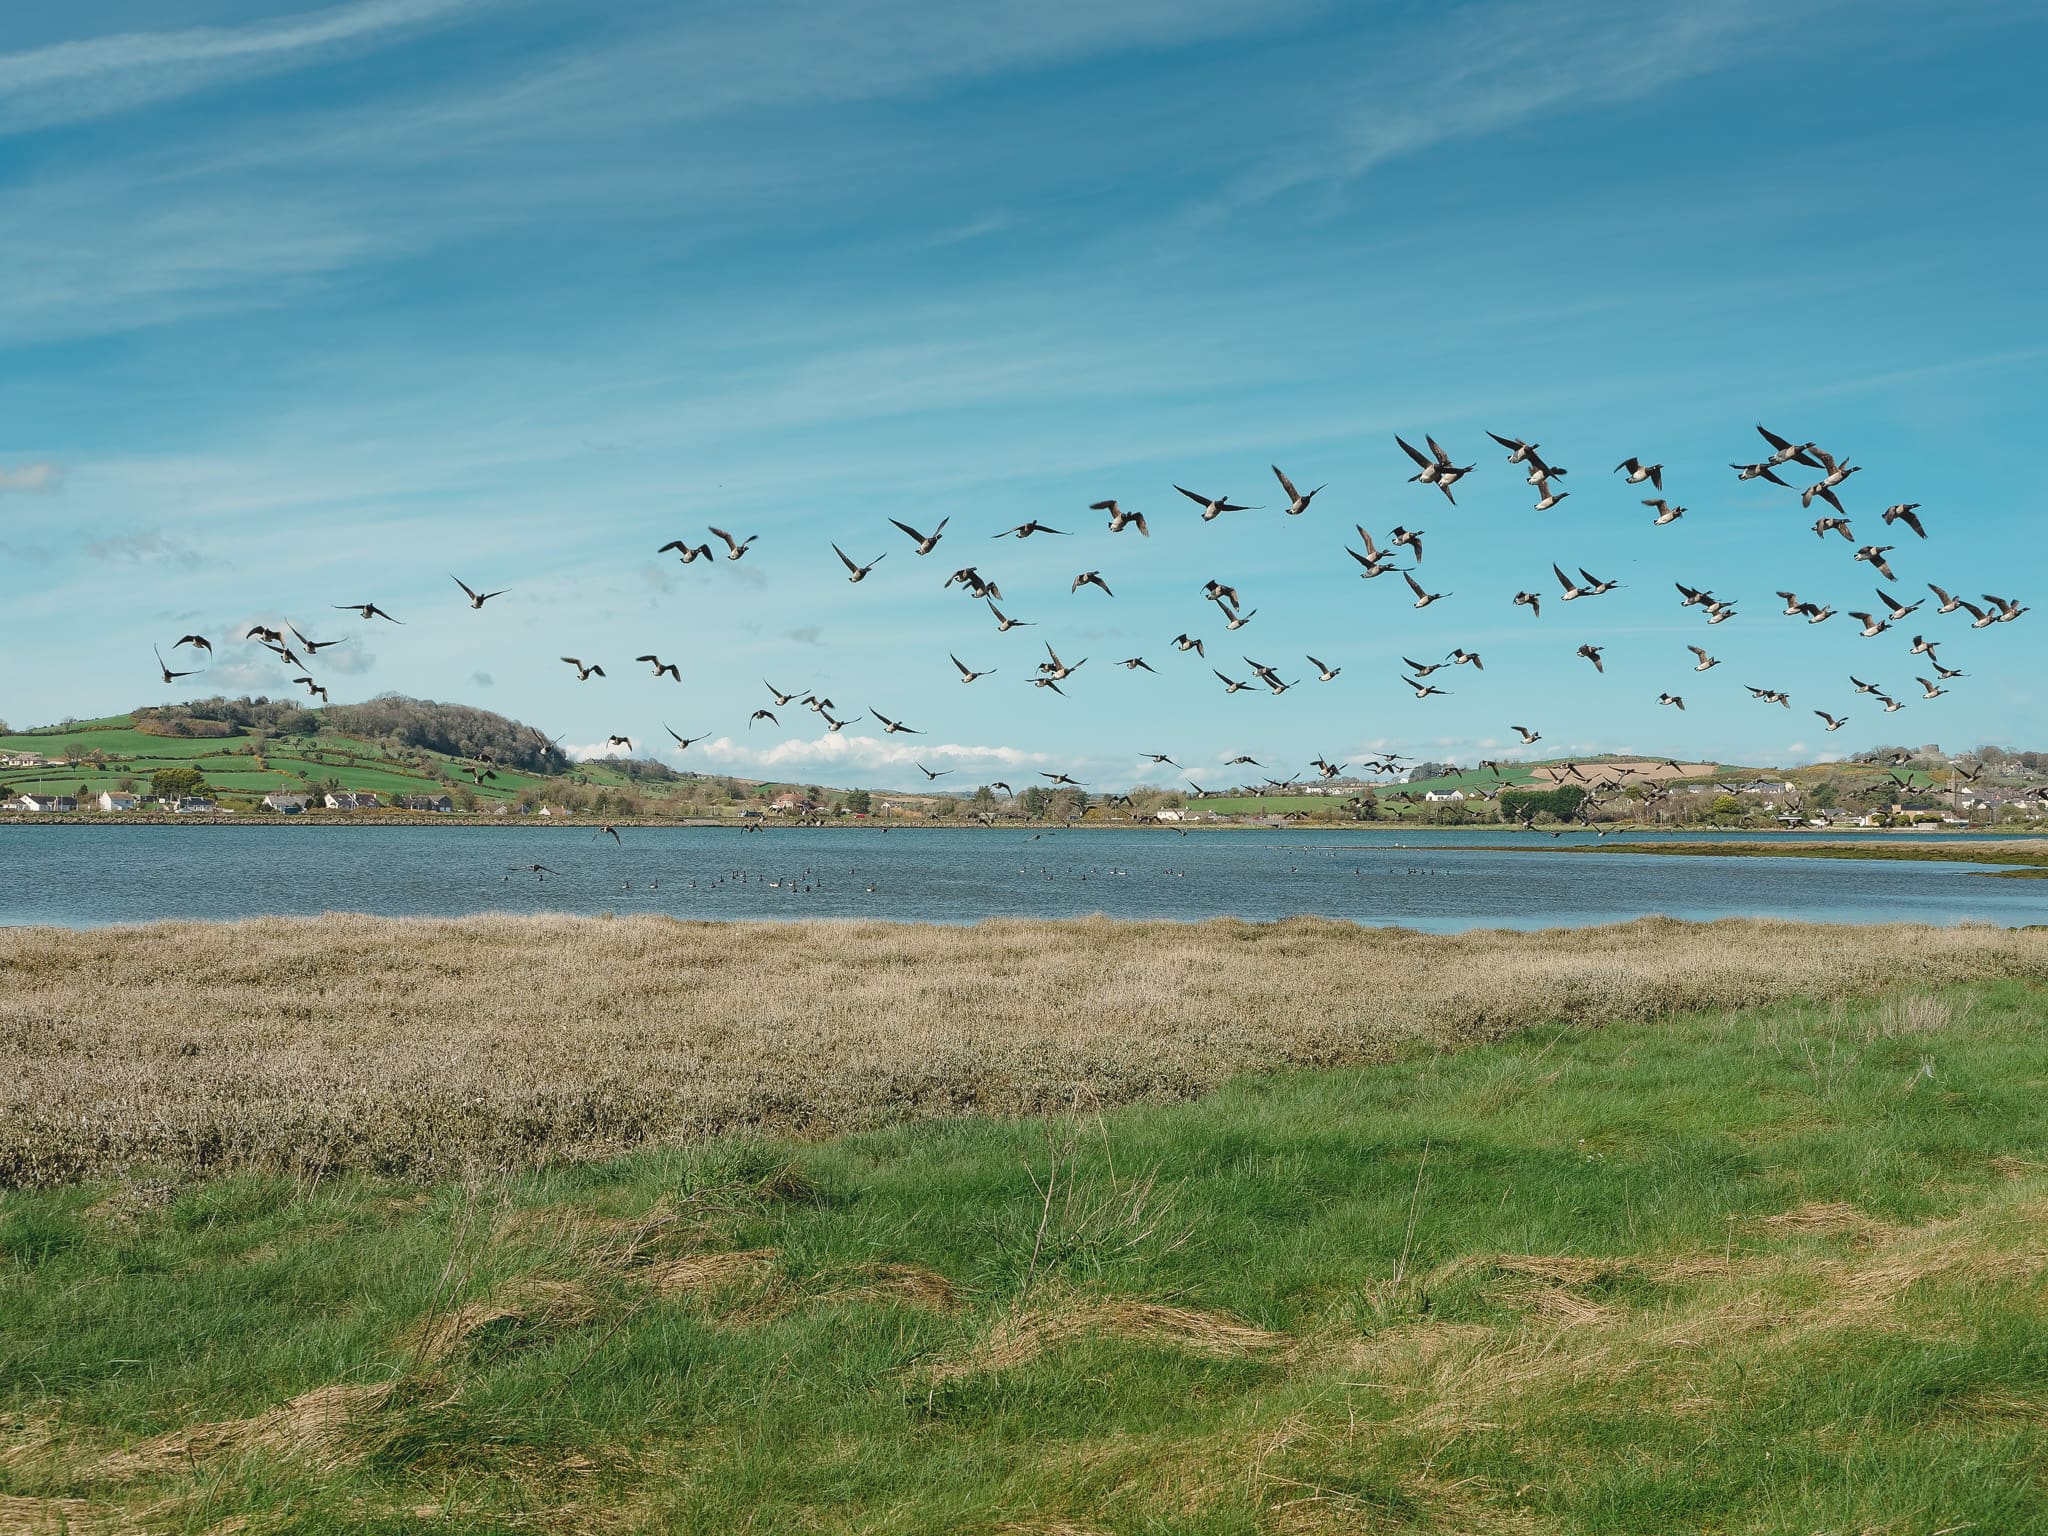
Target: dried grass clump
[
  {"x": 528, "y": 1305},
  {"x": 1021, "y": 1336},
  {"x": 424, "y": 1048},
  {"x": 1827, "y": 1219},
  {"x": 324, "y": 1426}
]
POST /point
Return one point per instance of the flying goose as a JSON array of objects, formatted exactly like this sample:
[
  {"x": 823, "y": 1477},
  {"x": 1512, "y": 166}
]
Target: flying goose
[
  {"x": 1422, "y": 599},
  {"x": 1424, "y": 690},
  {"x": 1945, "y": 673},
  {"x": 1825, "y": 492},
  {"x": 670, "y": 668},
  {"x": 1520, "y": 452},
  {"x": 585, "y": 673},
  {"x": 476, "y": 599},
  {"x": 1436, "y": 469},
  {"x": 1770, "y": 695},
  {"x": 264, "y": 634},
  {"x": 1185, "y": 642},
  {"x": 1230, "y": 685},
  {"x": 2009, "y": 608},
  {"x": 1862, "y": 687},
  {"x": 1672, "y": 700},
  {"x": 931, "y": 773},
  {"x": 967, "y": 674},
  {"x": 1464, "y": 658},
  {"x": 1546, "y": 498},
  {"x": 1091, "y": 579},
  {"x": 1119, "y": 519},
  {"x": 197, "y": 642},
  {"x": 1420, "y": 670},
  {"x": 1529, "y": 737},
  {"x": 368, "y": 611},
  {"x": 762, "y": 714},
  {"x": 1377, "y": 562},
  {"x": 1324, "y": 672},
  {"x": 1212, "y": 507},
  {"x": 1897, "y": 609},
  {"x": 1025, "y": 530},
  {"x": 1232, "y": 619},
  {"x": 1907, "y": 512},
  {"x": 1057, "y": 669},
  {"x": 169, "y": 675},
  {"x": 1412, "y": 537},
  {"x": 781, "y": 699},
  {"x": 1048, "y": 682},
  {"x": 1928, "y": 690},
  {"x": 926, "y": 542},
  {"x": 1705, "y": 661},
  {"x": 1571, "y": 589},
  {"x": 857, "y": 573},
  {"x": 1666, "y": 513},
  {"x": 686, "y": 552},
  {"x": 976, "y": 587},
  {"x": 892, "y": 727},
  {"x": 684, "y": 743},
  {"x": 1719, "y": 612},
  {"x": 1297, "y": 503},
  {"x": 737, "y": 546},
  {"x": 1159, "y": 758},
  {"x": 1004, "y": 623},
  {"x": 1833, "y": 722},
  {"x": 619, "y": 741},
  {"x": 834, "y": 727},
  {"x": 1875, "y": 553},
  {"x": 1530, "y": 601},
  {"x": 1783, "y": 452},
  {"x": 1758, "y": 472},
  {"x": 1592, "y": 654},
  {"x": 1637, "y": 472},
  {"x": 1061, "y": 778},
  {"x": 1891, "y": 706},
  {"x": 1595, "y": 587},
  {"x": 1134, "y": 663},
  {"x": 1872, "y": 627}
]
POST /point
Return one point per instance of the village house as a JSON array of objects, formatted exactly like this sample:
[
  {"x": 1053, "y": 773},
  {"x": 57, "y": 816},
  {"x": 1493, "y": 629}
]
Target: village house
[
  {"x": 350, "y": 800},
  {"x": 286, "y": 802},
  {"x": 24, "y": 760},
  {"x": 792, "y": 804},
  {"x": 195, "y": 805},
  {"x": 1440, "y": 796},
  {"x": 425, "y": 803},
  {"x": 1171, "y": 814},
  {"x": 113, "y": 800},
  {"x": 29, "y": 802}
]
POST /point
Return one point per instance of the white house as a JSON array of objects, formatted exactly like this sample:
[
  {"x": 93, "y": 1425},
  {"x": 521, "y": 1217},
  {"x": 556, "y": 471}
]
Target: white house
[
  {"x": 196, "y": 805},
  {"x": 1438, "y": 796},
  {"x": 110, "y": 800},
  {"x": 27, "y": 802},
  {"x": 1171, "y": 814},
  {"x": 341, "y": 800},
  {"x": 286, "y": 802}
]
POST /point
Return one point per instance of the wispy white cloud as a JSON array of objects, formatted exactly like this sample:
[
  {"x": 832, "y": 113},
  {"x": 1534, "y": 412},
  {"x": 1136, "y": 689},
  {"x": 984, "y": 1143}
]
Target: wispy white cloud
[
  {"x": 30, "y": 479},
  {"x": 149, "y": 546},
  {"x": 95, "y": 76}
]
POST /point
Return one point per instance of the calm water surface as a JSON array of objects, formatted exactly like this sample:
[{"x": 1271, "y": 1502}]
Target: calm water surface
[{"x": 1439, "y": 881}]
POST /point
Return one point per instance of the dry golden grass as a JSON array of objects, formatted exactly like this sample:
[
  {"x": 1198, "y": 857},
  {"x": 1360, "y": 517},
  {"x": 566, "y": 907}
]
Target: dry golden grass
[{"x": 427, "y": 1047}]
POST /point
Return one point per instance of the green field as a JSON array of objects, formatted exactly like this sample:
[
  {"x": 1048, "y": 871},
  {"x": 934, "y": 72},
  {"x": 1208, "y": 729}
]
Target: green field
[
  {"x": 1277, "y": 805},
  {"x": 1770, "y": 1271}
]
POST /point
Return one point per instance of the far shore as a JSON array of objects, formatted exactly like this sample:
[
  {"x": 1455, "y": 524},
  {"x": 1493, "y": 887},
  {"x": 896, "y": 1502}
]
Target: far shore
[{"x": 586, "y": 823}]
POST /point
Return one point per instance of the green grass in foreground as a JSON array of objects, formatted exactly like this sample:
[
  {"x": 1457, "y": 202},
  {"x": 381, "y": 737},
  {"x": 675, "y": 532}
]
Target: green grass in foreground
[{"x": 1771, "y": 1271}]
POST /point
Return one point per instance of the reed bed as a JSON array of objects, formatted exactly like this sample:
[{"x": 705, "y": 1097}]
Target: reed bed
[{"x": 428, "y": 1048}]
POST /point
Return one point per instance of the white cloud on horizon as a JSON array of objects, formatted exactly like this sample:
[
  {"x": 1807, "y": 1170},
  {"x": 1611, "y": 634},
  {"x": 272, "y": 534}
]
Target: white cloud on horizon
[{"x": 838, "y": 749}]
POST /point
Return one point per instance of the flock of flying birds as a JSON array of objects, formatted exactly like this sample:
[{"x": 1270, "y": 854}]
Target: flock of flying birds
[{"x": 1434, "y": 468}]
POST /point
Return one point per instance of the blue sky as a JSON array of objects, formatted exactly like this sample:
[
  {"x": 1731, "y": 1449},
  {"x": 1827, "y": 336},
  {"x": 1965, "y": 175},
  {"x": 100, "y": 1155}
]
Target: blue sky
[{"x": 310, "y": 306}]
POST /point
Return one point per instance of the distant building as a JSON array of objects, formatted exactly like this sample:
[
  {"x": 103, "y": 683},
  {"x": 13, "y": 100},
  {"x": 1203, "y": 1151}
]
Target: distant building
[
  {"x": 791, "y": 805},
  {"x": 111, "y": 800},
  {"x": 425, "y": 803},
  {"x": 1438, "y": 796},
  {"x": 1171, "y": 814},
  {"x": 196, "y": 805},
  {"x": 27, "y": 802},
  {"x": 286, "y": 802},
  {"x": 339, "y": 800},
  {"x": 24, "y": 760}
]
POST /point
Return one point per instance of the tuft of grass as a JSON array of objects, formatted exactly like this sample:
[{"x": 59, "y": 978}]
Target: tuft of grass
[
  {"x": 1771, "y": 1269},
  {"x": 423, "y": 1048}
]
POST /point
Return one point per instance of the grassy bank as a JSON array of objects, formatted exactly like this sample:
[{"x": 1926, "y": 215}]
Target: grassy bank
[
  {"x": 1777, "y": 1270},
  {"x": 422, "y": 1047},
  {"x": 2022, "y": 853}
]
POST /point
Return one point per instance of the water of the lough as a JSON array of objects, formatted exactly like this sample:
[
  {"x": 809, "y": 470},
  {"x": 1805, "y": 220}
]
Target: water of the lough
[{"x": 1439, "y": 881}]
